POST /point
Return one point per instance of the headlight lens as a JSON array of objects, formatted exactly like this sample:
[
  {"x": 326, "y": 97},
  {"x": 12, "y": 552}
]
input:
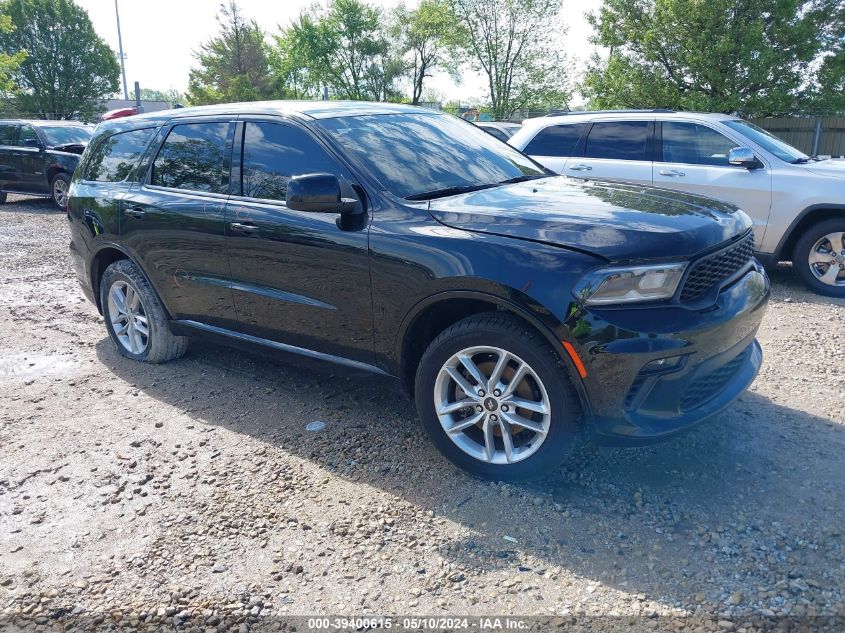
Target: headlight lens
[{"x": 631, "y": 284}]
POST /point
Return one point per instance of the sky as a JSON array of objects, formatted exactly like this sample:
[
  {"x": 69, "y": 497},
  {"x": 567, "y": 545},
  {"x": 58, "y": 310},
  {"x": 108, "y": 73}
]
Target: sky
[{"x": 160, "y": 36}]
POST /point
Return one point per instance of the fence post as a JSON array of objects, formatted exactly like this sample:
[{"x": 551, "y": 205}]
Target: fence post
[{"x": 817, "y": 137}]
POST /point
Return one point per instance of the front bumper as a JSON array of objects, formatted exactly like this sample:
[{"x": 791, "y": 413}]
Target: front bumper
[{"x": 711, "y": 357}]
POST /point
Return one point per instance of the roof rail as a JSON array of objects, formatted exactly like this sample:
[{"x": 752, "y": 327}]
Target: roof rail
[{"x": 621, "y": 111}]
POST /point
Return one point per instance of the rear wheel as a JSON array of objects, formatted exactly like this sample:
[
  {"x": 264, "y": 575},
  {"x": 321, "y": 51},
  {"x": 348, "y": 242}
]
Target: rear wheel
[
  {"x": 496, "y": 399},
  {"x": 135, "y": 319},
  {"x": 59, "y": 187},
  {"x": 819, "y": 258},
  {"x": 2, "y": 197}
]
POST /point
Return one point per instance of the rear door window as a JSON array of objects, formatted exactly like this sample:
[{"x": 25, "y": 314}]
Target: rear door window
[
  {"x": 695, "y": 144},
  {"x": 556, "y": 140},
  {"x": 273, "y": 153},
  {"x": 116, "y": 155},
  {"x": 8, "y": 134},
  {"x": 619, "y": 140},
  {"x": 192, "y": 158}
]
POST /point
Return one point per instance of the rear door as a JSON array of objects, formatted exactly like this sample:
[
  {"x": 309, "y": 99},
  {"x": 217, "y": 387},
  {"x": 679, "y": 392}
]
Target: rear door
[
  {"x": 299, "y": 278},
  {"x": 8, "y": 158},
  {"x": 30, "y": 161},
  {"x": 553, "y": 145},
  {"x": 615, "y": 150},
  {"x": 173, "y": 220},
  {"x": 693, "y": 157}
]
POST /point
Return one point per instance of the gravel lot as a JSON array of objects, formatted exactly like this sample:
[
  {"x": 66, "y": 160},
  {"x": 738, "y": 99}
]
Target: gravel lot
[{"x": 191, "y": 495}]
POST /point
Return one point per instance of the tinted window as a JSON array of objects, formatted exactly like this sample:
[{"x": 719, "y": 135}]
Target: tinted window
[
  {"x": 114, "y": 156},
  {"x": 695, "y": 144},
  {"x": 66, "y": 134},
  {"x": 767, "y": 140},
  {"x": 622, "y": 140},
  {"x": 272, "y": 153},
  {"x": 192, "y": 158},
  {"x": 412, "y": 154},
  {"x": 556, "y": 140},
  {"x": 8, "y": 134},
  {"x": 496, "y": 133},
  {"x": 28, "y": 137}
]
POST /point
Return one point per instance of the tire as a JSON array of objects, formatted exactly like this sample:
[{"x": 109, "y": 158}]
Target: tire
[
  {"x": 159, "y": 345},
  {"x": 3, "y": 195},
  {"x": 59, "y": 185},
  {"x": 484, "y": 338},
  {"x": 815, "y": 244}
]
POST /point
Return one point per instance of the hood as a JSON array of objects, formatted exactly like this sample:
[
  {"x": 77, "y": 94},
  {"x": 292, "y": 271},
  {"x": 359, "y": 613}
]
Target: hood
[
  {"x": 833, "y": 168},
  {"x": 614, "y": 221},
  {"x": 72, "y": 148}
]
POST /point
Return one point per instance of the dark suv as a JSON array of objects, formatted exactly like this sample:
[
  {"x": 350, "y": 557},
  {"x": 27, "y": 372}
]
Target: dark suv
[
  {"x": 37, "y": 158},
  {"x": 511, "y": 303}
]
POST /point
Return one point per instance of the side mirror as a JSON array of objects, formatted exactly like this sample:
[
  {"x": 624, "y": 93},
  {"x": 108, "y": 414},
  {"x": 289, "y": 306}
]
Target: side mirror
[
  {"x": 319, "y": 193},
  {"x": 743, "y": 157}
]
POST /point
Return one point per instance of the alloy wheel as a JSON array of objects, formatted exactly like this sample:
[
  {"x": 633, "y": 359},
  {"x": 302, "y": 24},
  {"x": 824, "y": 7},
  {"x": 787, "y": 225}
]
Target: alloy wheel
[
  {"x": 60, "y": 192},
  {"x": 827, "y": 259},
  {"x": 492, "y": 405},
  {"x": 128, "y": 318}
]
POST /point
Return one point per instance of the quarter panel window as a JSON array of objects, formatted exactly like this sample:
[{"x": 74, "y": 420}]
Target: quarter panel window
[
  {"x": 275, "y": 152},
  {"x": 556, "y": 140},
  {"x": 621, "y": 140},
  {"x": 115, "y": 156},
  {"x": 192, "y": 158},
  {"x": 694, "y": 144},
  {"x": 8, "y": 134}
]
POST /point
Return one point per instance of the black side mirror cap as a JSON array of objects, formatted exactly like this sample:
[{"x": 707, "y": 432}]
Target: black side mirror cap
[{"x": 318, "y": 193}]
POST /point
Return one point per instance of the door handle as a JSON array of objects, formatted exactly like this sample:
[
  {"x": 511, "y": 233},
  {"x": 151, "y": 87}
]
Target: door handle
[
  {"x": 244, "y": 228},
  {"x": 581, "y": 168},
  {"x": 136, "y": 212},
  {"x": 672, "y": 172}
]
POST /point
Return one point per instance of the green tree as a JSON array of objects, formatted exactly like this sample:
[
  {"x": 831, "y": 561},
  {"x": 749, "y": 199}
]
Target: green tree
[
  {"x": 753, "y": 57},
  {"x": 343, "y": 46},
  {"x": 510, "y": 41},
  {"x": 428, "y": 36},
  {"x": 234, "y": 65},
  {"x": 289, "y": 64},
  {"x": 68, "y": 68},
  {"x": 9, "y": 62},
  {"x": 172, "y": 96}
]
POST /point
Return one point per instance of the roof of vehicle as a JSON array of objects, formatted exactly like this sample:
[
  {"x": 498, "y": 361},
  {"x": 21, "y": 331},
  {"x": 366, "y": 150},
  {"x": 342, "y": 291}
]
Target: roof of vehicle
[
  {"x": 658, "y": 114},
  {"x": 310, "y": 109},
  {"x": 45, "y": 122}
]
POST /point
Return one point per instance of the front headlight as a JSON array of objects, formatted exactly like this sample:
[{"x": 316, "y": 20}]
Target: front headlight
[{"x": 631, "y": 284}]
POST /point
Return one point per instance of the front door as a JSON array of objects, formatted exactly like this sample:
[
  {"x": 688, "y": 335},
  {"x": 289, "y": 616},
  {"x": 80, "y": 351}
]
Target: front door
[
  {"x": 173, "y": 221},
  {"x": 30, "y": 161},
  {"x": 299, "y": 278},
  {"x": 693, "y": 157},
  {"x": 615, "y": 150}
]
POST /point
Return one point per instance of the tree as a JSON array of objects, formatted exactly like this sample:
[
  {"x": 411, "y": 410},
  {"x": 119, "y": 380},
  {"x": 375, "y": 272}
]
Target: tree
[
  {"x": 234, "y": 66},
  {"x": 753, "y": 57},
  {"x": 9, "y": 63},
  {"x": 68, "y": 68},
  {"x": 172, "y": 96},
  {"x": 427, "y": 34},
  {"x": 510, "y": 41},
  {"x": 344, "y": 47}
]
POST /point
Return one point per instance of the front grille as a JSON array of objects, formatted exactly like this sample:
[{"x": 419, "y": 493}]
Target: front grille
[
  {"x": 713, "y": 269},
  {"x": 707, "y": 387}
]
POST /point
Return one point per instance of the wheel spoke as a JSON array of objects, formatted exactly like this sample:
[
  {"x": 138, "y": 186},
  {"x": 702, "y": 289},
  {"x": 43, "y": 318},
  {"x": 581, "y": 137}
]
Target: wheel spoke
[
  {"x": 451, "y": 407},
  {"x": 141, "y": 318},
  {"x": 507, "y": 440},
  {"x": 528, "y": 405},
  {"x": 120, "y": 328},
  {"x": 820, "y": 258},
  {"x": 466, "y": 423},
  {"x": 517, "y": 420},
  {"x": 496, "y": 374},
  {"x": 489, "y": 441},
  {"x": 119, "y": 299},
  {"x": 473, "y": 370},
  {"x": 830, "y": 276},
  {"x": 141, "y": 328},
  {"x": 836, "y": 243},
  {"x": 518, "y": 377},
  {"x": 467, "y": 388}
]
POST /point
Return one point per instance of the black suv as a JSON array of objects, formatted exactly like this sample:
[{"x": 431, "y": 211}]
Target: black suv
[
  {"x": 37, "y": 158},
  {"x": 511, "y": 303}
]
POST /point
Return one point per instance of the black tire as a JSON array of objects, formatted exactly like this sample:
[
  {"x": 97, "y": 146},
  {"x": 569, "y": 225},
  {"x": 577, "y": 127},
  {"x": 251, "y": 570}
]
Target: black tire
[
  {"x": 3, "y": 195},
  {"x": 801, "y": 257},
  {"x": 161, "y": 344},
  {"x": 501, "y": 331},
  {"x": 61, "y": 177}
]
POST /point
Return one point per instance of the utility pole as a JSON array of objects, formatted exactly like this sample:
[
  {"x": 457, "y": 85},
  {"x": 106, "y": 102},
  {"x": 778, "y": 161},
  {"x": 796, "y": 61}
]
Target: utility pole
[{"x": 122, "y": 56}]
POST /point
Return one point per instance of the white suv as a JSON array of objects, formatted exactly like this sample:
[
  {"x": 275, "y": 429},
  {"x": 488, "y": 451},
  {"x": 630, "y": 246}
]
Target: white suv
[{"x": 797, "y": 202}]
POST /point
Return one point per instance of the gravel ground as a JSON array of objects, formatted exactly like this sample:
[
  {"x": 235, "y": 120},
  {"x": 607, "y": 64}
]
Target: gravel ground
[{"x": 191, "y": 495}]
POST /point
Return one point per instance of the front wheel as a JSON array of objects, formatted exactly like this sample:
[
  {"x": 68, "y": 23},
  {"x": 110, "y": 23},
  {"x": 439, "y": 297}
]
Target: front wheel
[
  {"x": 59, "y": 187},
  {"x": 496, "y": 399},
  {"x": 819, "y": 258}
]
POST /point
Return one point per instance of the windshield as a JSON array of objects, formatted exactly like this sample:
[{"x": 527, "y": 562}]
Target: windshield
[
  {"x": 768, "y": 141},
  {"x": 420, "y": 155},
  {"x": 66, "y": 134}
]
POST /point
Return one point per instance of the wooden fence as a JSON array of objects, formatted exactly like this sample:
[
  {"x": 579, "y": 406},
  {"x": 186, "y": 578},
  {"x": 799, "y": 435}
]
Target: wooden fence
[{"x": 812, "y": 135}]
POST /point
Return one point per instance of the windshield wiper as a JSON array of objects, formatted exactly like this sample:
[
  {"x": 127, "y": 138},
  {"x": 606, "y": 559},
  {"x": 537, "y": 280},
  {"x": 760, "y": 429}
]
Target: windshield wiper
[
  {"x": 807, "y": 159},
  {"x": 523, "y": 178},
  {"x": 448, "y": 191}
]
